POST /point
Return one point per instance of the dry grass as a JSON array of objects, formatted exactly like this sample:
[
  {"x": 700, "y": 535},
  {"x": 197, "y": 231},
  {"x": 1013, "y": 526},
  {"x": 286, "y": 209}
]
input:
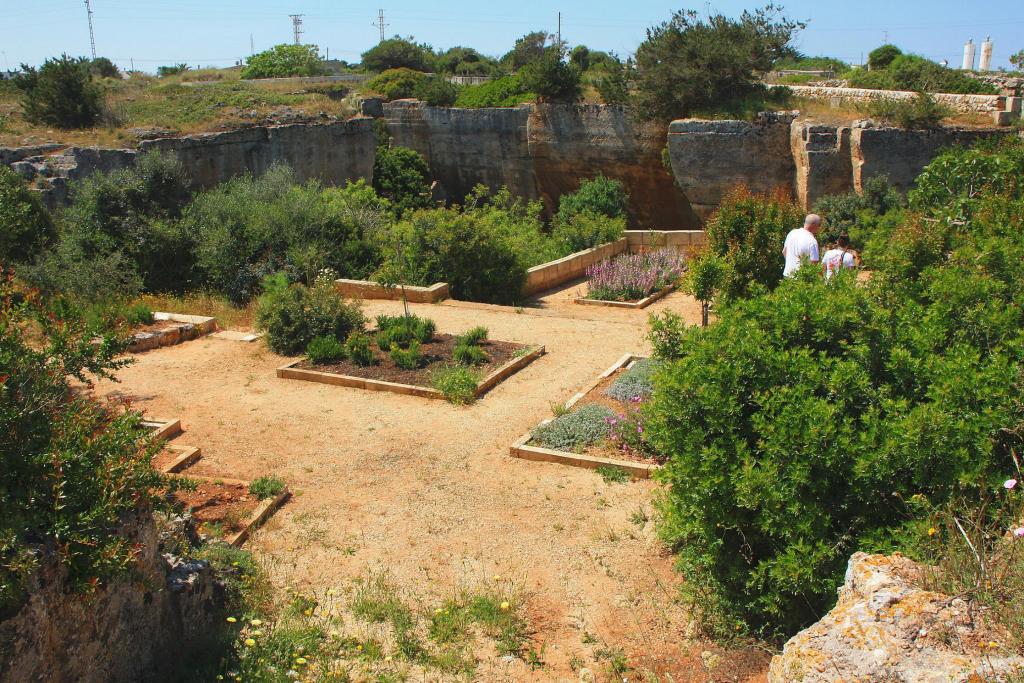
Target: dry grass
[
  {"x": 196, "y": 101},
  {"x": 227, "y": 314}
]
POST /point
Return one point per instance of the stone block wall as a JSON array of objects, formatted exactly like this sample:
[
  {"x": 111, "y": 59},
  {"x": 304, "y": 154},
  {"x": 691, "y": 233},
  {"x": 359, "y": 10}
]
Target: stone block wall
[
  {"x": 367, "y": 289},
  {"x": 551, "y": 274},
  {"x": 963, "y": 104}
]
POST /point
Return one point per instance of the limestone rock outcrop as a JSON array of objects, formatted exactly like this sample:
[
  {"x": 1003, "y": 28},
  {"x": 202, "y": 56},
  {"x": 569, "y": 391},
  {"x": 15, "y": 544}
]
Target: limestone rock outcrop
[{"x": 885, "y": 628}]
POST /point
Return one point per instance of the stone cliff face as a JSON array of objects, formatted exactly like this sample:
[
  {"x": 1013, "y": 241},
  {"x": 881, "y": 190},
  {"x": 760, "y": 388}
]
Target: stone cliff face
[
  {"x": 130, "y": 630},
  {"x": 542, "y": 152}
]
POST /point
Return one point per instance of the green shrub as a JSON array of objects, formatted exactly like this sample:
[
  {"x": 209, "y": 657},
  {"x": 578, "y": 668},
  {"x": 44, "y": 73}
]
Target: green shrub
[
  {"x": 438, "y": 92},
  {"x": 635, "y": 384},
  {"x": 358, "y": 349},
  {"x": 913, "y": 72},
  {"x": 295, "y": 315},
  {"x": 507, "y": 91},
  {"x": 666, "y": 334},
  {"x": 25, "y": 225},
  {"x": 60, "y": 93},
  {"x": 576, "y": 430},
  {"x": 599, "y": 195},
  {"x": 457, "y": 384},
  {"x": 585, "y": 230},
  {"x": 398, "y": 84},
  {"x": 247, "y": 228},
  {"x": 955, "y": 182},
  {"x": 397, "y": 53},
  {"x": 401, "y": 330},
  {"x": 409, "y": 358},
  {"x": 704, "y": 279},
  {"x": 402, "y": 176},
  {"x": 613, "y": 475},
  {"x": 323, "y": 350},
  {"x": 853, "y": 213},
  {"x": 748, "y": 231},
  {"x": 285, "y": 60},
  {"x": 73, "y": 470},
  {"x": 267, "y": 486},
  {"x": 469, "y": 354},
  {"x": 922, "y": 112},
  {"x": 474, "y": 336},
  {"x": 881, "y": 57}
]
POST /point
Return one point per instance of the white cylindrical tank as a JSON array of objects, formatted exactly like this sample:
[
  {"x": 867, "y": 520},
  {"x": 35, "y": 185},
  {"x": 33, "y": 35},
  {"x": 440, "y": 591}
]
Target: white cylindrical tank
[
  {"x": 986, "y": 55},
  {"x": 968, "y": 56}
]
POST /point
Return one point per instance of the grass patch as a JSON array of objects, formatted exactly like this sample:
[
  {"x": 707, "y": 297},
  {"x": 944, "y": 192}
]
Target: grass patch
[
  {"x": 203, "y": 303},
  {"x": 613, "y": 475},
  {"x": 267, "y": 486},
  {"x": 457, "y": 384}
]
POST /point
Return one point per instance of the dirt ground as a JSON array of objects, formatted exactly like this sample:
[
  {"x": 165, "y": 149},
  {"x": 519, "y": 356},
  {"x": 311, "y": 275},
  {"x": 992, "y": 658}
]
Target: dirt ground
[{"x": 428, "y": 492}]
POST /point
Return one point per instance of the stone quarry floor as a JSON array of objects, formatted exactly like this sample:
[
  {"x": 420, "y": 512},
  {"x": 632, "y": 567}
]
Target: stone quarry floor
[{"x": 427, "y": 491}]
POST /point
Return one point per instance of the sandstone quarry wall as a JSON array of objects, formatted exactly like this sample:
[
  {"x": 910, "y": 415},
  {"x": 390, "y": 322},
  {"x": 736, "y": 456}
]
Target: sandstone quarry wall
[
  {"x": 542, "y": 152},
  {"x": 963, "y": 104},
  {"x": 333, "y": 153}
]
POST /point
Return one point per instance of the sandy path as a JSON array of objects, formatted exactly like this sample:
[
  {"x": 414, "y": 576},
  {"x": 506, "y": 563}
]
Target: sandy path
[{"x": 428, "y": 491}]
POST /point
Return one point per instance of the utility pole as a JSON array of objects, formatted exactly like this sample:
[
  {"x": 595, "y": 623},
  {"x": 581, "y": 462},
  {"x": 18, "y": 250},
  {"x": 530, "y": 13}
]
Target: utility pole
[
  {"x": 380, "y": 24},
  {"x": 297, "y": 27},
  {"x": 559, "y": 30},
  {"x": 92, "y": 37},
  {"x": 252, "y": 45}
]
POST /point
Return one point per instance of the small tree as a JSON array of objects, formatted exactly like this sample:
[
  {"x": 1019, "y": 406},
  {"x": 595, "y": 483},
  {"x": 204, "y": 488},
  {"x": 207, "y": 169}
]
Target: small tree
[
  {"x": 601, "y": 195},
  {"x": 527, "y": 49},
  {"x": 397, "y": 53},
  {"x": 397, "y": 84},
  {"x": 25, "y": 225},
  {"x": 704, "y": 280},
  {"x": 551, "y": 77},
  {"x": 104, "y": 68},
  {"x": 402, "y": 176},
  {"x": 1018, "y": 60},
  {"x": 882, "y": 57},
  {"x": 285, "y": 60},
  {"x": 688, "y": 63},
  {"x": 60, "y": 93}
]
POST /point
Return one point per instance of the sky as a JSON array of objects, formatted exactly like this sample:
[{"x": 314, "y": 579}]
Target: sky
[{"x": 148, "y": 33}]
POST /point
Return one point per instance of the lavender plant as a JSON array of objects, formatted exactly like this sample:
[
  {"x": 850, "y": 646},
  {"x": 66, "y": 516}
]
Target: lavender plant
[{"x": 634, "y": 276}]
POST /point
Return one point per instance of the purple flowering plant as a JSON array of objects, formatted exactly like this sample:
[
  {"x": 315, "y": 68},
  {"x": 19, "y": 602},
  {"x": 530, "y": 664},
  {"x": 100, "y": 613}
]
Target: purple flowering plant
[{"x": 634, "y": 276}]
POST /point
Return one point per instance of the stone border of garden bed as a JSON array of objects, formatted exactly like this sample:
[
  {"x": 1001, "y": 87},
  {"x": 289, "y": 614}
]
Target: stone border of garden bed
[
  {"x": 367, "y": 289},
  {"x": 258, "y": 516},
  {"x": 521, "y": 448},
  {"x": 549, "y": 275},
  {"x": 642, "y": 303},
  {"x": 163, "y": 428},
  {"x": 289, "y": 371},
  {"x": 188, "y": 455},
  {"x": 190, "y": 327}
]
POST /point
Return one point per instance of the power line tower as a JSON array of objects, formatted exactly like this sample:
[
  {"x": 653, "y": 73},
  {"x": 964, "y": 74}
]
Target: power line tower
[
  {"x": 380, "y": 24},
  {"x": 297, "y": 27},
  {"x": 92, "y": 37}
]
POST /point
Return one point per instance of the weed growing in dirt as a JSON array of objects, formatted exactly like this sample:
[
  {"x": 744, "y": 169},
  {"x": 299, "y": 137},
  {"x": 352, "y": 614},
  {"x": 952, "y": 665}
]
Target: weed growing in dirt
[
  {"x": 457, "y": 384},
  {"x": 576, "y": 430},
  {"x": 613, "y": 475},
  {"x": 267, "y": 486}
]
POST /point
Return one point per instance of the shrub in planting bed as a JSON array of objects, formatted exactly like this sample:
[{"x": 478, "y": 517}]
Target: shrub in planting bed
[
  {"x": 358, "y": 350},
  {"x": 325, "y": 350},
  {"x": 635, "y": 384},
  {"x": 634, "y": 276}
]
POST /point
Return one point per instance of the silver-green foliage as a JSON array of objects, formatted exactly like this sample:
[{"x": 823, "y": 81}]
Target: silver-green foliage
[
  {"x": 580, "y": 428},
  {"x": 635, "y": 382}
]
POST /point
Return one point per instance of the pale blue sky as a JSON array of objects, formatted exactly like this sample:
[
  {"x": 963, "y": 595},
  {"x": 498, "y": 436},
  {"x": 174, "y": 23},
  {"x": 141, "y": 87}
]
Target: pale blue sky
[{"x": 217, "y": 32}]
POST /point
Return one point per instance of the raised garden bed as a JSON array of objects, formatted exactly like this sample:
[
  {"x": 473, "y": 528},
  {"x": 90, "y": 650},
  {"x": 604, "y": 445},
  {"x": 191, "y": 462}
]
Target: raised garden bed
[
  {"x": 163, "y": 428},
  {"x": 174, "y": 458},
  {"x": 505, "y": 359},
  {"x": 368, "y": 289},
  {"x": 604, "y": 452},
  {"x": 633, "y": 280},
  {"x": 226, "y": 507},
  {"x": 168, "y": 329},
  {"x": 641, "y": 303}
]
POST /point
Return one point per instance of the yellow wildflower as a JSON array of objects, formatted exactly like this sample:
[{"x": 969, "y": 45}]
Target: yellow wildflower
[
  {"x": 931, "y": 531},
  {"x": 232, "y": 620},
  {"x": 505, "y": 606},
  {"x": 250, "y": 642}
]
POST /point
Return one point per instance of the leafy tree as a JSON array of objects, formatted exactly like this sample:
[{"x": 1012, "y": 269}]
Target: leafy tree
[
  {"x": 551, "y": 77},
  {"x": 882, "y": 57},
  {"x": 600, "y": 195},
  {"x": 396, "y": 84},
  {"x": 60, "y": 93},
  {"x": 285, "y": 60},
  {"x": 104, "y": 68},
  {"x": 689, "y": 64},
  {"x": 704, "y": 279},
  {"x": 25, "y": 226},
  {"x": 1018, "y": 60},
  {"x": 527, "y": 49},
  {"x": 748, "y": 231},
  {"x": 402, "y": 176},
  {"x": 465, "y": 61},
  {"x": 913, "y": 72},
  {"x": 71, "y": 470},
  {"x": 438, "y": 92},
  {"x": 580, "y": 57},
  {"x": 397, "y": 53}
]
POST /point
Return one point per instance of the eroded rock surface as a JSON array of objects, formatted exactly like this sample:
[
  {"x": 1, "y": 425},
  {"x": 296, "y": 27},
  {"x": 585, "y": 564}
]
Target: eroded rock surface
[{"x": 885, "y": 628}]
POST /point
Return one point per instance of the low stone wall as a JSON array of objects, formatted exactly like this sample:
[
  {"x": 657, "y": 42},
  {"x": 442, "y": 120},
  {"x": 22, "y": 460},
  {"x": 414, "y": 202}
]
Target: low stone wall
[
  {"x": 551, "y": 274},
  {"x": 678, "y": 239},
  {"x": 962, "y": 104},
  {"x": 367, "y": 289}
]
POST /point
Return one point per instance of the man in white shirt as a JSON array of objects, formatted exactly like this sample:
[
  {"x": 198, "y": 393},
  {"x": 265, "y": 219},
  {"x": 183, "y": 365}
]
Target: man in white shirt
[{"x": 801, "y": 243}]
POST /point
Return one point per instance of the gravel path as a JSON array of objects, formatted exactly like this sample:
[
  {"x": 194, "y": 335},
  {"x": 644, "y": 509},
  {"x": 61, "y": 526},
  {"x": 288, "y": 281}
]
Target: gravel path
[{"x": 428, "y": 491}]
